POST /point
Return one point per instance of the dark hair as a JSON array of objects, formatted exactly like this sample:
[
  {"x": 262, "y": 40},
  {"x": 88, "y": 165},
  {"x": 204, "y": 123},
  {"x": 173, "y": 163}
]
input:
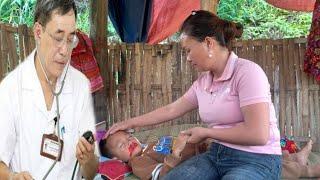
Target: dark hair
[
  {"x": 104, "y": 150},
  {"x": 201, "y": 24},
  {"x": 44, "y": 8}
]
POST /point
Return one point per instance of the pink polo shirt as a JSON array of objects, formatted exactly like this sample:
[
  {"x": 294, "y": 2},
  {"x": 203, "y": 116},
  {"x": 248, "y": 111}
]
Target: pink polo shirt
[{"x": 219, "y": 101}]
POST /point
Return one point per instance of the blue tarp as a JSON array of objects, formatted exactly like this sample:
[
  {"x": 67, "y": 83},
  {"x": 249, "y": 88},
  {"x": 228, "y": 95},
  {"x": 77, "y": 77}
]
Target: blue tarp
[{"x": 131, "y": 19}]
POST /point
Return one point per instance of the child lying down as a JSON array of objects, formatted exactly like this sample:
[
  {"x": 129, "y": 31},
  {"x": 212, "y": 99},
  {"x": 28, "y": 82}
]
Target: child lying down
[{"x": 146, "y": 161}]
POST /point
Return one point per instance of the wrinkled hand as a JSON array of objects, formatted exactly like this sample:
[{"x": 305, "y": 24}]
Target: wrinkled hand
[
  {"x": 179, "y": 144},
  {"x": 21, "y": 176},
  {"x": 123, "y": 125},
  {"x": 84, "y": 151},
  {"x": 197, "y": 134}
]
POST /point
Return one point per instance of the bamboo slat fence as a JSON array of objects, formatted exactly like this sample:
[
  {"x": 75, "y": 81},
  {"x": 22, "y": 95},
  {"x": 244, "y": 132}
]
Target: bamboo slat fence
[
  {"x": 141, "y": 78},
  {"x": 15, "y": 44}
]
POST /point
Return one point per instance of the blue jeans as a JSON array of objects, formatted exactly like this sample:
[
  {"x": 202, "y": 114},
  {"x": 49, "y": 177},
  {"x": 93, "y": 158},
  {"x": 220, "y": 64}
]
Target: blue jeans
[{"x": 225, "y": 163}]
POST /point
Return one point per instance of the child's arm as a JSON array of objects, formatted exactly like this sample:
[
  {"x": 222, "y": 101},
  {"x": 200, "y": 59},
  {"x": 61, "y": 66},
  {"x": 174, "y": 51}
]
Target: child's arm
[
  {"x": 171, "y": 161},
  {"x": 142, "y": 166},
  {"x": 180, "y": 152}
]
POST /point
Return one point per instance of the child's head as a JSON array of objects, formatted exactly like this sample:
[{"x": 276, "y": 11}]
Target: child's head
[{"x": 120, "y": 145}]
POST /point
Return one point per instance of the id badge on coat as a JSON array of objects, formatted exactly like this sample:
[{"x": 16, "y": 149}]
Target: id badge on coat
[{"x": 50, "y": 146}]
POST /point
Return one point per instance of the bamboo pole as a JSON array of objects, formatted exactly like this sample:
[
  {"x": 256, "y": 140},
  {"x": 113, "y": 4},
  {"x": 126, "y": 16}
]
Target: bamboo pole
[{"x": 210, "y": 5}]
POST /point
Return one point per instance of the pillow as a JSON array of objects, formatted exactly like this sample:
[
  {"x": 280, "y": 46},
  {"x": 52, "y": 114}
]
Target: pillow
[{"x": 114, "y": 169}]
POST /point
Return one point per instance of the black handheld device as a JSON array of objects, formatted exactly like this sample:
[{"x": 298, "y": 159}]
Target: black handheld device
[{"x": 89, "y": 137}]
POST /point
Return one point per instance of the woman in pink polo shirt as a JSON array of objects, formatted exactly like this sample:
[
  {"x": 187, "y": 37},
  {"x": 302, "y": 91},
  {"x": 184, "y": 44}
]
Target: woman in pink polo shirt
[{"x": 233, "y": 98}]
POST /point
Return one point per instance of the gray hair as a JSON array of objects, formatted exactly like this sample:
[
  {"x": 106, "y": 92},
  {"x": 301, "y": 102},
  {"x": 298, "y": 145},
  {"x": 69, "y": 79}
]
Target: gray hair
[{"x": 44, "y": 8}]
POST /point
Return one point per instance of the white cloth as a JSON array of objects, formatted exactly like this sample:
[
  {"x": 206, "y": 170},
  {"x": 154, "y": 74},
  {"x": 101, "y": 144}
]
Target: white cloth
[
  {"x": 156, "y": 172},
  {"x": 24, "y": 119}
]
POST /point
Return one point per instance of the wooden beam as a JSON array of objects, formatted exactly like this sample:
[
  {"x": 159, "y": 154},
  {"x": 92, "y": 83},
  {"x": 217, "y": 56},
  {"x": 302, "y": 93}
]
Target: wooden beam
[
  {"x": 98, "y": 33},
  {"x": 210, "y": 5},
  {"x": 98, "y": 28}
]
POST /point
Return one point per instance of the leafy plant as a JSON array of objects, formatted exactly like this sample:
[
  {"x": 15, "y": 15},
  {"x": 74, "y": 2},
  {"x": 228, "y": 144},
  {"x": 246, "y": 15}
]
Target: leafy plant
[
  {"x": 17, "y": 11},
  {"x": 21, "y": 12},
  {"x": 261, "y": 20}
]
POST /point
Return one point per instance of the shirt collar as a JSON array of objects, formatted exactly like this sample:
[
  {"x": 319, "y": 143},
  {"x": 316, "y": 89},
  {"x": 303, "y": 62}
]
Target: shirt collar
[
  {"x": 31, "y": 81},
  {"x": 229, "y": 69},
  {"x": 227, "y": 72}
]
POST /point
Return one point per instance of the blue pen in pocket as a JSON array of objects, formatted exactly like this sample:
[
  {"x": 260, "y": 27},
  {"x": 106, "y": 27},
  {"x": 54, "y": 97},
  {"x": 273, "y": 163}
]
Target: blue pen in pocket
[{"x": 62, "y": 132}]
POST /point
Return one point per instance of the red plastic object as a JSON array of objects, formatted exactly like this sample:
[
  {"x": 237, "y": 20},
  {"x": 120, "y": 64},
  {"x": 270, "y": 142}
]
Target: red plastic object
[{"x": 293, "y": 5}]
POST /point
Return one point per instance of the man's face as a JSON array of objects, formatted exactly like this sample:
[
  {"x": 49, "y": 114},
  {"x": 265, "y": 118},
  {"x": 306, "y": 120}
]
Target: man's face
[
  {"x": 55, "y": 42},
  {"x": 123, "y": 145}
]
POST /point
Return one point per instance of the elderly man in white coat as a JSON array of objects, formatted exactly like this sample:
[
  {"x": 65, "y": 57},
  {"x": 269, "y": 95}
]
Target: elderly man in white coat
[{"x": 46, "y": 105}]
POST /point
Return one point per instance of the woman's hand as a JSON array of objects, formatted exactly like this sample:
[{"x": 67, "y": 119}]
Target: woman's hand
[
  {"x": 179, "y": 144},
  {"x": 123, "y": 125},
  {"x": 196, "y": 134}
]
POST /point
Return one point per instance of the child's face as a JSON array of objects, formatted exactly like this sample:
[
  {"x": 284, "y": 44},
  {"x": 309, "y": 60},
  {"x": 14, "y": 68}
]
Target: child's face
[{"x": 124, "y": 146}]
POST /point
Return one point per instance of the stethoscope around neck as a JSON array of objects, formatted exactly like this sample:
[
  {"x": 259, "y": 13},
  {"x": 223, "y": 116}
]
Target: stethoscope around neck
[
  {"x": 56, "y": 96},
  {"x": 51, "y": 86}
]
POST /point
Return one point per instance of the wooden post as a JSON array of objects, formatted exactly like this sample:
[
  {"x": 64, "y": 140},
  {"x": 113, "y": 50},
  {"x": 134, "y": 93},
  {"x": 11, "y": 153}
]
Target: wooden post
[
  {"x": 98, "y": 34},
  {"x": 210, "y": 5}
]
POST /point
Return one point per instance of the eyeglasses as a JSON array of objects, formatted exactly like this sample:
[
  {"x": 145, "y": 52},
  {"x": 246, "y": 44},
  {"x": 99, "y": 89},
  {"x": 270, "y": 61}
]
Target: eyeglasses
[{"x": 72, "y": 41}]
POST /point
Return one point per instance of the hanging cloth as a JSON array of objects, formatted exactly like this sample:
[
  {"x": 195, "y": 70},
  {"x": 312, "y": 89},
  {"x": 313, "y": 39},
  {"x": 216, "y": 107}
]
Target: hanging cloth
[
  {"x": 130, "y": 18},
  {"x": 293, "y": 5},
  {"x": 82, "y": 58},
  {"x": 168, "y": 16},
  {"x": 312, "y": 55}
]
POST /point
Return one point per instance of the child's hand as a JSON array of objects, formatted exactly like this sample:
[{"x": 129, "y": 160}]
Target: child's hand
[
  {"x": 179, "y": 144},
  {"x": 196, "y": 134}
]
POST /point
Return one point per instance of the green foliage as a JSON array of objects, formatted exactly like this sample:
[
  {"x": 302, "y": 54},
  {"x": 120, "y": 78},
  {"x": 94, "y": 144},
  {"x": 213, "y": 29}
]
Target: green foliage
[
  {"x": 260, "y": 20},
  {"x": 83, "y": 21},
  {"x": 263, "y": 21},
  {"x": 21, "y": 12},
  {"x": 83, "y": 15},
  {"x": 17, "y": 11}
]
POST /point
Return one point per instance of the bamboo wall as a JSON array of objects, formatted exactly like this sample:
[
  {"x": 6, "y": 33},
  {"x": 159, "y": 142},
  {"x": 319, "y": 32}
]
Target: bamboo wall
[
  {"x": 295, "y": 95},
  {"x": 15, "y": 44},
  {"x": 141, "y": 78},
  {"x": 148, "y": 77}
]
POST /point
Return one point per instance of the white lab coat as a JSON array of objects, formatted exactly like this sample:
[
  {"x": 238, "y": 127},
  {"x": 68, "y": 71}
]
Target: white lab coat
[{"x": 24, "y": 119}]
